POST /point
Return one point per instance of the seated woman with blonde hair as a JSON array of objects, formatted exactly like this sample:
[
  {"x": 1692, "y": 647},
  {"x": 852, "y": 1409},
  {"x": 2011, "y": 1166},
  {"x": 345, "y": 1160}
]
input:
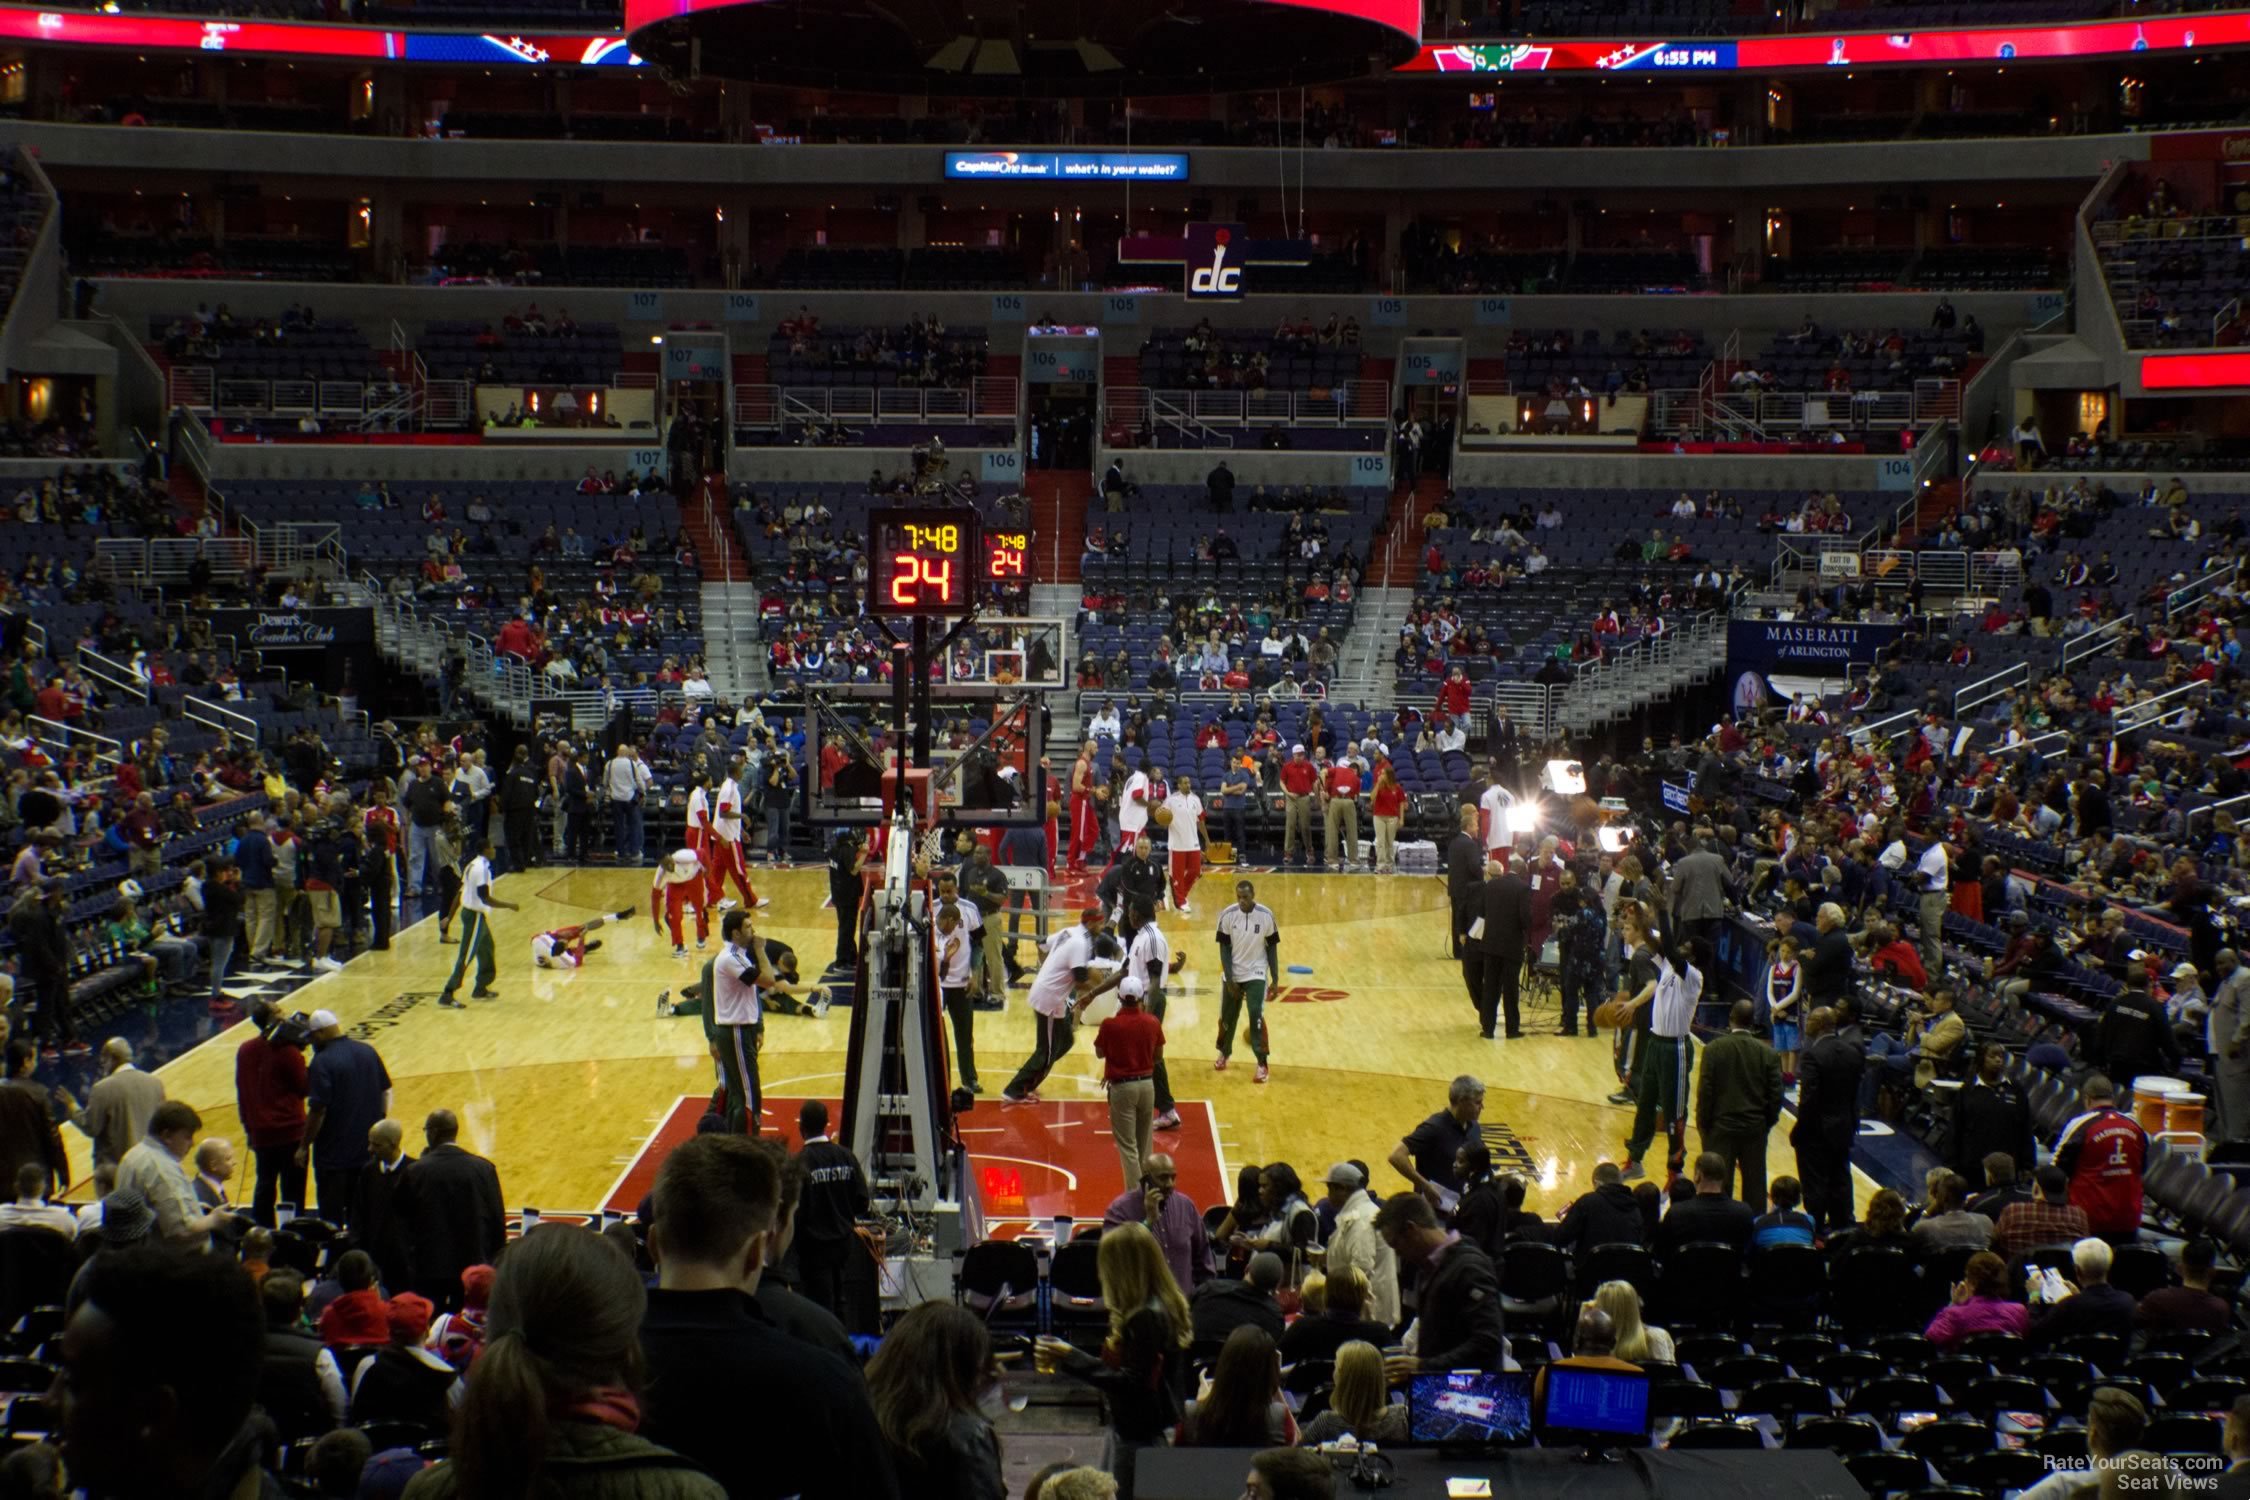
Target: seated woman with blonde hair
[
  {"x": 1637, "y": 1343},
  {"x": 1360, "y": 1404},
  {"x": 1340, "y": 1317}
]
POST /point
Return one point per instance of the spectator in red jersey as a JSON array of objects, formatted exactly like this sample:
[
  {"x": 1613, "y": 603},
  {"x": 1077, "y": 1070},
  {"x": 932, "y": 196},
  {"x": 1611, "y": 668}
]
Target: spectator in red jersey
[
  {"x": 1388, "y": 804},
  {"x": 2104, "y": 1150},
  {"x": 517, "y": 638},
  {"x": 1891, "y": 955},
  {"x": 1453, "y": 694}
]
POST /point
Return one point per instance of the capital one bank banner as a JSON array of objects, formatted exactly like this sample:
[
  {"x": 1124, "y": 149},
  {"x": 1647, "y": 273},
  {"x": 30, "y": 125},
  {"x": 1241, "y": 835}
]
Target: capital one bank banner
[{"x": 1760, "y": 650}]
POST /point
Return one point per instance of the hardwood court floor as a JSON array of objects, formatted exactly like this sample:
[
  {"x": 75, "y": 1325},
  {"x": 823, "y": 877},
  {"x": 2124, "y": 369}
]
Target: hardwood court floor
[{"x": 563, "y": 1078}]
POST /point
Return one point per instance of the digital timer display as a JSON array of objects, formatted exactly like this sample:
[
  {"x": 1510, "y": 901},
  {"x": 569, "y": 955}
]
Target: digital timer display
[
  {"x": 1007, "y": 557},
  {"x": 922, "y": 561}
]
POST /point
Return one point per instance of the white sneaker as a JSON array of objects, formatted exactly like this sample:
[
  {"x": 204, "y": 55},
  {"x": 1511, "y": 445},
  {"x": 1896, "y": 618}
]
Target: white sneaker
[
  {"x": 702, "y": 945},
  {"x": 820, "y": 1007},
  {"x": 328, "y": 965},
  {"x": 762, "y": 903},
  {"x": 678, "y": 951},
  {"x": 1184, "y": 909},
  {"x": 727, "y": 903}
]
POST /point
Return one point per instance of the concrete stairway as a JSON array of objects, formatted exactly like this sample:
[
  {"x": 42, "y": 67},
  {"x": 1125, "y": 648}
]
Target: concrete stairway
[{"x": 1363, "y": 664}]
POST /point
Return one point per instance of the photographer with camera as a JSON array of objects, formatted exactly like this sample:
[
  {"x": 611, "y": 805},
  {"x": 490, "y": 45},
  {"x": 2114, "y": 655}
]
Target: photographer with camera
[{"x": 269, "y": 1094}]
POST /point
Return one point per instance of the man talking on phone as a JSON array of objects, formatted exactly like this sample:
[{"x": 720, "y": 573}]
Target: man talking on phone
[{"x": 1171, "y": 1216}]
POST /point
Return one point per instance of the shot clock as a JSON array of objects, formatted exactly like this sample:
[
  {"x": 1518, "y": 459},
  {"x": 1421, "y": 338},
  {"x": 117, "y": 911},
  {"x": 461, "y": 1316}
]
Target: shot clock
[
  {"x": 928, "y": 560},
  {"x": 923, "y": 560},
  {"x": 1007, "y": 557}
]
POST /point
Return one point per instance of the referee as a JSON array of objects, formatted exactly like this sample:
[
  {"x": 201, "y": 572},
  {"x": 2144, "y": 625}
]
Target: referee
[
  {"x": 739, "y": 1018},
  {"x": 477, "y": 906}
]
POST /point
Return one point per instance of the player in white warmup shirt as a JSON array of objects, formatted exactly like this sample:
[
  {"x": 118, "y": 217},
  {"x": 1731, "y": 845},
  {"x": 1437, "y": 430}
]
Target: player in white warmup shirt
[
  {"x": 1185, "y": 842},
  {"x": 714, "y": 820},
  {"x": 678, "y": 886}
]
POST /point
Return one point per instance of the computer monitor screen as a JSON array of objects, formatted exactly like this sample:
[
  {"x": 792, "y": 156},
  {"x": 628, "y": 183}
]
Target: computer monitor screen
[
  {"x": 1469, "y": 1406},
  {"x": 1596, "y": 1400}
]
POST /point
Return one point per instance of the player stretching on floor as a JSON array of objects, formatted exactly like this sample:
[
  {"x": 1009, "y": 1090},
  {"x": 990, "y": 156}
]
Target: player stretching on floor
[
  {"x": 679, "y": 885},
  {"x": 714, "y": 817},
  {"x": 477, "y": 906},
  {"x": 782, "y": 994},
  {"x": 567, "y": 947}
]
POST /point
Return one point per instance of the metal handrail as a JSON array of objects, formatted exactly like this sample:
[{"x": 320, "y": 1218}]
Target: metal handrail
[
  {"x": 113, "y": 674},
  {"x": 1902, "y": 718},
  {"x": 2195, "y": 591},
  {"x": 104, "y": 746},
  {"x": 2094, "y": 642},
  {"x": 2221, "y": 805},
  {"x": 2033, "y": 743},
  {"x": 1985, "y": 689},
  {"x": 218, "y": 716},
  {"x": 2130, "y": 716}
]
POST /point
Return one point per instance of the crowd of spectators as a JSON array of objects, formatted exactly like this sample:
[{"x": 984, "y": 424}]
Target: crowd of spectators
[{"x": 920, "y": 352}]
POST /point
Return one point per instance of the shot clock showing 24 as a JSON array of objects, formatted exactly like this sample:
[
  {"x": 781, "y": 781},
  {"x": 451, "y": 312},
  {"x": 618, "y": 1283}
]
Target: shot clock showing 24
[{"x": 929, "y": 560}]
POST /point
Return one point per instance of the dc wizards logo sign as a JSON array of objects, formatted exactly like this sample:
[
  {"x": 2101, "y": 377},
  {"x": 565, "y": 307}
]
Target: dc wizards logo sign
[
  {"x": 1209, "y": 275},
  {"x": 1215, "y": 257}
]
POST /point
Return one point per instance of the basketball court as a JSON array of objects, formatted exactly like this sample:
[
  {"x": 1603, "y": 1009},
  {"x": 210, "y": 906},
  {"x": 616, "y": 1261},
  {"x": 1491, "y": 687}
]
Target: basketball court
[{"x": 574, "y": 1085}]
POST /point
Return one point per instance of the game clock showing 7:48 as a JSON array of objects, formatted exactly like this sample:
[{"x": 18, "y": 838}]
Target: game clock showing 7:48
[{"x": 929, "y": 561}]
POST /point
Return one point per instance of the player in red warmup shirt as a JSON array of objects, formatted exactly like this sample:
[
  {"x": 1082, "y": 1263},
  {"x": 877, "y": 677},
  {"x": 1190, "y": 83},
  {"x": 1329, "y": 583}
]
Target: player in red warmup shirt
[{"x": 567, "y": 947}]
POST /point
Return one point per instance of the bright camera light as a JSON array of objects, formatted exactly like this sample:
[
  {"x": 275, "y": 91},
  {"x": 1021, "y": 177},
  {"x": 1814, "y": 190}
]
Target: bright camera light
[
  {"x": 1614, "y": 838},
  {"x": 1523, "y": 817},
  {"x": 1564, "y": 778}
]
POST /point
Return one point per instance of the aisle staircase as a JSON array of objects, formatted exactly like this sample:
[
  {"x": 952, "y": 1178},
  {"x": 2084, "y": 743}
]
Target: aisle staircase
[
  {"x": 1363, "y": 664},
  {"x": 1403, "y": 561},
  {"x": 1649, "y": 672},
  {"x": 1060, "y": 499},
  {"x": 188, "y": 495},
  {"x": 732, "y": 654},
  {"x": 1059, "y": 601}
]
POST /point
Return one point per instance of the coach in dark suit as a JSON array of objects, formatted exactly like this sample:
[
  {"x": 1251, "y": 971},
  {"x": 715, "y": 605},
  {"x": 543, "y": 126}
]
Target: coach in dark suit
[
  {"x": 1464, "y": 871},
  {"x": 375, "y": 1223},
  {"x": 1827, "y": 1120},
  {"x": 1494, "y": 957},
  {"x": 449, "y": 1211}
]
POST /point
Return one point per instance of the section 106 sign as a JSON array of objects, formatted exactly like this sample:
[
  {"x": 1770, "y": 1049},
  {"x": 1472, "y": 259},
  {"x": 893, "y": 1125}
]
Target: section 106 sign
[{"x": 1059, "y": 366}]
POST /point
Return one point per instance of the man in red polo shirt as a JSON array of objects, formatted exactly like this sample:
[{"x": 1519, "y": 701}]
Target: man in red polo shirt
[
  {"x": 1298, "y": 783},
  {"x": 1128, "y": 1044},
  {"x": 1339, "y": 786}
]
